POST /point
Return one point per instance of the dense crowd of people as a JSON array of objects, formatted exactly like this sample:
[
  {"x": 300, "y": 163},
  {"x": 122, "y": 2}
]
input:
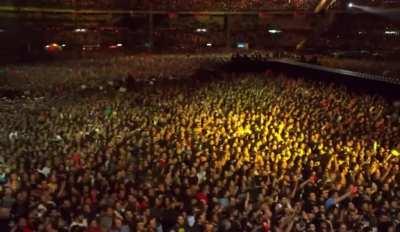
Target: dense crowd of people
[
  {"x": 244, "y": 152},
  {"x": 63, "y": 76},
  {"x": 176, "y": 4},
  {"x": 194, "y": 4}
]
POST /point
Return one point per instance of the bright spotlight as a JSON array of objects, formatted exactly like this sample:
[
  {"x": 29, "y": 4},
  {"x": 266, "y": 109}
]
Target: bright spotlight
[
  {"x": 80, "y": 30},
  {"x": 391, "y": 32},
  {"x": 350, "y": 5},
  {"x": 201, "y": 30},
  {"x": 273, "y": 31}
]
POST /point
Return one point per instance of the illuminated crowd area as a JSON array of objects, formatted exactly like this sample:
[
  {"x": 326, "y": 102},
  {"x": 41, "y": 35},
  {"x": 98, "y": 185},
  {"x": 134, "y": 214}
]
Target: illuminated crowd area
[
  {"x": 143, "y": 143},
  {"x": 199, "y": 115}
]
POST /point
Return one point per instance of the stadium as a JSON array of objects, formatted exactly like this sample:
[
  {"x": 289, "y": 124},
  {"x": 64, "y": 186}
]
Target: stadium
[{"x": 200, "y": 115}]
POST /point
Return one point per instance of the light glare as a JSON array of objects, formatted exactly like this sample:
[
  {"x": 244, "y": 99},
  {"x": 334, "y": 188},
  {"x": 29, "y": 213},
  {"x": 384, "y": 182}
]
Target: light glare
[
  {"x": 201, "y": 30},
  {"x": 391, "y": 32},
  {"x": 80, "y": 30},
  {"x": 273, "y": 31}
]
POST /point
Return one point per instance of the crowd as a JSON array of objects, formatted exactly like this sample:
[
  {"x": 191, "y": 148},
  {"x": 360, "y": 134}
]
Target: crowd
[
  {"x": 69, "y": 76},
  {"x": 175, "y": 4},
  {"x": 194, "y": 4},
  {"x": 248, "y": 152}
]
